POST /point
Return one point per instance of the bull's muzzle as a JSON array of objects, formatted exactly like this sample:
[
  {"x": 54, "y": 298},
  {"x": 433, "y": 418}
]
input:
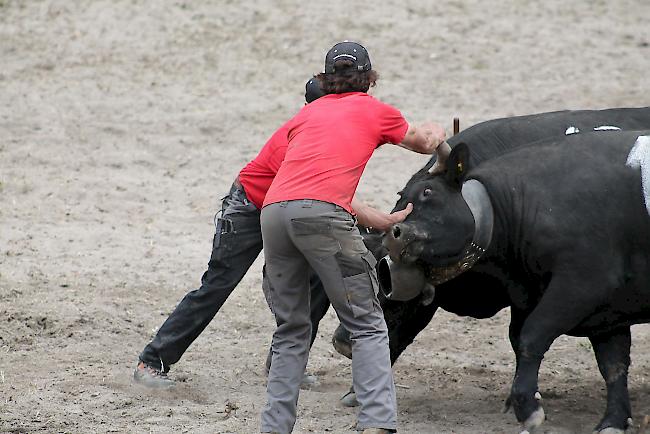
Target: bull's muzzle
[
  {"x": 401, "y": 242},
  {"x": 403, "y": 282}
]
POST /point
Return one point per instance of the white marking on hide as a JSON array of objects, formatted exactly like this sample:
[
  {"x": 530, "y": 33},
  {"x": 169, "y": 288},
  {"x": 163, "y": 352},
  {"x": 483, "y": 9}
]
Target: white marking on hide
[
  {"x": 535, "y": 419},
  {"x": 610, "y": 430},
  {"x": 571, "y": 130},
  {"x": 606, "y": 128},
  {"x": 639, "y": 156}
]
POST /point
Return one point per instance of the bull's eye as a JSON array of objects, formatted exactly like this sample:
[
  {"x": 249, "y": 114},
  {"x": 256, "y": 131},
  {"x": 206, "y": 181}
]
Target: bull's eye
[{"x": 427, "y": 192}]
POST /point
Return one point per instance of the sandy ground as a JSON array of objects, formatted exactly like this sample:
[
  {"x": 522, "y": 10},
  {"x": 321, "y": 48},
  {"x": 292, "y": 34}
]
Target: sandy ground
[{"x": 122, "y": 123}]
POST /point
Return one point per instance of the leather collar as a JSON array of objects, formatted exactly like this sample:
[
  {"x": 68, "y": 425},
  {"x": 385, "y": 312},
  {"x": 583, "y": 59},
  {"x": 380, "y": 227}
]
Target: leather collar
[{"x": 479, "y": 204}]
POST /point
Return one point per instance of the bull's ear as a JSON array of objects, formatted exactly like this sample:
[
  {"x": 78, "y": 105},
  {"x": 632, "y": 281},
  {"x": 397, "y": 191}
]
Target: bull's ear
[{"x": 457, "y": 165}]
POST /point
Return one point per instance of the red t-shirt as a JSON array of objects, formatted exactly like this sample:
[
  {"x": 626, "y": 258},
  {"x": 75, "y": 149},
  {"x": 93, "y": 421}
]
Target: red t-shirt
[
  {"x": 256, "y": 176},
  {"x": 330, "y": 142}
]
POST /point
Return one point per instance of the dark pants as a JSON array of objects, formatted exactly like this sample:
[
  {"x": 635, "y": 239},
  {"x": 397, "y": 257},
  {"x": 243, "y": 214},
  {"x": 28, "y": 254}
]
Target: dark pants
[{"x": 237, "y": 243}]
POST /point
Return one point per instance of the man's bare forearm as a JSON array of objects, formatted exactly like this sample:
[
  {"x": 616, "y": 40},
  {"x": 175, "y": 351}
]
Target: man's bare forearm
[{"x": 374, "y": 218}]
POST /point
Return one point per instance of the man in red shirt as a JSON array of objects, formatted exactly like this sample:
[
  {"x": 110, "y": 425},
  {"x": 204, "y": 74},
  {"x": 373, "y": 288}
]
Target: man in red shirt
[
  {"x": 307, "y": 222},
  {"x": 237, "y": 243}
]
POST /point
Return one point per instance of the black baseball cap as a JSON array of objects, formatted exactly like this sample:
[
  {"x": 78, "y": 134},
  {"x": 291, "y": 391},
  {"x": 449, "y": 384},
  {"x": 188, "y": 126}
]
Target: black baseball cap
[
  {"x": 348, "y": 50},
  {"x": 313, "y": 90}
]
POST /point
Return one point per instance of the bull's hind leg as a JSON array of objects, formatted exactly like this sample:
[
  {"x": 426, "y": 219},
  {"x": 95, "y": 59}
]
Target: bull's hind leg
[
  {"x": 405, "y": 323},
  {"x": 612, "y": 352}
]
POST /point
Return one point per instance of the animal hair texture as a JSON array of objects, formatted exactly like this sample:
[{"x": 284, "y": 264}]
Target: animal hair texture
[{"x": 639, "y": 157}]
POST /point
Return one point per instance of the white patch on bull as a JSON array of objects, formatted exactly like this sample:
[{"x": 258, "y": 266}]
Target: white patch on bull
[
  {"x": 571, "y": 130},
  {"x": 606, "y": 128},
  {"x": 534, "y": 420},
  {"x": 610, "y": 430},
  {"x": 639, "y": 156}
]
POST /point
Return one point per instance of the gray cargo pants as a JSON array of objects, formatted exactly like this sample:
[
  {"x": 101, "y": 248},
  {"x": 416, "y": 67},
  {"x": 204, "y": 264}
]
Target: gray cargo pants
[{"x": 300, "y": 234}]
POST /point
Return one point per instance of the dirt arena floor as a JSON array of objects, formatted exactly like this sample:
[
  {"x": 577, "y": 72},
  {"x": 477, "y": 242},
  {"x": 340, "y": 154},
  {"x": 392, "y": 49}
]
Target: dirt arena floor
[{"x": 123, "y": 123}]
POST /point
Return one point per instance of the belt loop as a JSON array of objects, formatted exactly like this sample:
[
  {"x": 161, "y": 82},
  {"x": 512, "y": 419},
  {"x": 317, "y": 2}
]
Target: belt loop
[{"x": 307, "y": 203}]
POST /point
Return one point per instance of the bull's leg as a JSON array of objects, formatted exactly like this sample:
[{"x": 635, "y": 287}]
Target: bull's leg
[
  {"x": 405, "y": 323},
  {"x": 612, "y": 352},
  {"x": 524, "y": 396},
  {"x": 517, "y": 317},
  {"x": 568, "y": 299},
  {"x": 405, "y": 320}
]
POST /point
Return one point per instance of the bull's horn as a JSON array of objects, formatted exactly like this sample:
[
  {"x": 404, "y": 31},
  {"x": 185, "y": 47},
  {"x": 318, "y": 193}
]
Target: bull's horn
[{"x": 442, "y": 153}]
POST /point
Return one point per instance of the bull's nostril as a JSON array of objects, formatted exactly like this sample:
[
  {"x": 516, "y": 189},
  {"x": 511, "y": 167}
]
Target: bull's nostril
[{"x": 396, "y": 231}]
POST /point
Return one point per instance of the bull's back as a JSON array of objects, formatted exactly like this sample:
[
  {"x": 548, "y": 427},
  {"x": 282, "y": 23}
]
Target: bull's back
[
  {"x": 498, "y": 136},
  {"x": 579, "y": 179}
]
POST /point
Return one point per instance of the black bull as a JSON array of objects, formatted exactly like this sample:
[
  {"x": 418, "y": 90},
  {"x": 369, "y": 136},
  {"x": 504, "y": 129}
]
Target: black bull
[{"x": 474, "y": 293}]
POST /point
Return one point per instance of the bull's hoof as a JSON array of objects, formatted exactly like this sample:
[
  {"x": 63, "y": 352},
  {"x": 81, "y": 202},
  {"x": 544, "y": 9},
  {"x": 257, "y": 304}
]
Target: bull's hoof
[
  {"x": 602, "y": 427},
  {"x": 350, "y": 399},
  {"x": 341, "y": 343},
  {"x": 611, "y": 430},
  {"x": 507, "y": 405},
  {"x": 534, "y": 420},
  {"x": 308, "y": 381}
]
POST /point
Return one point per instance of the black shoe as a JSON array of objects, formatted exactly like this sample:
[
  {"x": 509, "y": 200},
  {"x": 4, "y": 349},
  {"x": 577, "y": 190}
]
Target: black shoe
[{"x": 151, "y": 377}]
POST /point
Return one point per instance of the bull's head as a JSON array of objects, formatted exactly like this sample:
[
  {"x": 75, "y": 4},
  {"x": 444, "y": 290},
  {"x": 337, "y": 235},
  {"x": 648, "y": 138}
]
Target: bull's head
[{"x": 440, "y": 235}]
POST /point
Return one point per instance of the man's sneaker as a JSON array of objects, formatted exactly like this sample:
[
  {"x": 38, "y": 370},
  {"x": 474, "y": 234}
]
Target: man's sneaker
[{"x": 151, "y": 377}]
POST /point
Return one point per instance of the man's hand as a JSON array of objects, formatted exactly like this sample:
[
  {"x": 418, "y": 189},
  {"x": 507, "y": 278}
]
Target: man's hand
[
  {"x": 435, "y": 134},
  {"x": 371, "y": 217},
  {"x": 423, "y": 139},
  {"x": 396, "y": 217}
]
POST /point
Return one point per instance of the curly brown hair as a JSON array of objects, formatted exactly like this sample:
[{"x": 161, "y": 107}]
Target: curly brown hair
[{"x": 347, "y": 79}]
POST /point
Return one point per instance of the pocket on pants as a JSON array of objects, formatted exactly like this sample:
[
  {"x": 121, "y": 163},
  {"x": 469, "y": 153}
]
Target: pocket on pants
[
  {"x": 360, "y": 282},
  {"x": 222, "y": 242},
  {"x": 316, "y": 234}
]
